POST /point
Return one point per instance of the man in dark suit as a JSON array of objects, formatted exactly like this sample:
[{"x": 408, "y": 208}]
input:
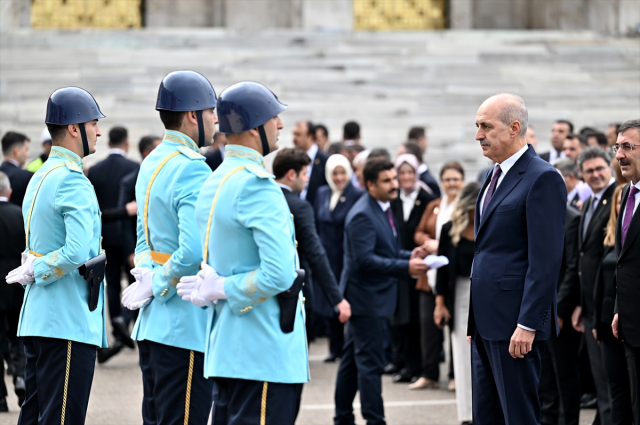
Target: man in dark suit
[
  {"x": 519, "y": 226},
  {"x": 105, "y": 176},
  {"x": 215, "y": 154},
  {"x": 290, "y": 169},
  {"x": 569, "y": 170},
  {"x": 11, "y": 248},
  {"x": 560, "y": 376},
  {"x": 373, "y": 262},
  {"x": 626, "y": 322},
  {"x": 559, "y": 132},
  {"x": 15, "y": 148},
  {"x": 594, "y": 164},
  {"x": 304, "y": 135}
]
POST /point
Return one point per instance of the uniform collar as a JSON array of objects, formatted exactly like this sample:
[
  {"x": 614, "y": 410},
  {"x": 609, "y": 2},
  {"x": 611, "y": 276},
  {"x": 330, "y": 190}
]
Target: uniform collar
[
  {"x": 66, "y": 154},
  {"x": 237, "y": 151},
  {"x": 171, "y": 136}
]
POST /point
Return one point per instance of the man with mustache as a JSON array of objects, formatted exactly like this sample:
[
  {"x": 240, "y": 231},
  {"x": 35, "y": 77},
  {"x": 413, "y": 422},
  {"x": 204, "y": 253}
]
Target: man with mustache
[
  {"x": 519, "y": 230},
  {"x": 373, "y": 262},
  {"x": 626, "y": 322}
]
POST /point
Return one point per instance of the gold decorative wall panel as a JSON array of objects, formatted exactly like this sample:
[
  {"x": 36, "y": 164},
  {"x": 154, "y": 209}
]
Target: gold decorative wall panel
[
  {"x": 74, "y": 14},
  {"x": 399, "y": 15}
]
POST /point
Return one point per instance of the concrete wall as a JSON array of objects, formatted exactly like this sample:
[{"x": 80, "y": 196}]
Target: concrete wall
[{"x": 15, "y": 14}]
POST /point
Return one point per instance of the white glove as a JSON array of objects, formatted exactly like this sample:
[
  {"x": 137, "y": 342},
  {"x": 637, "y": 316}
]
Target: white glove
[
  {"x": 204, "y": 289},
  {"x": 140, "y": 293},
  {"x": 23, "y": 274}
]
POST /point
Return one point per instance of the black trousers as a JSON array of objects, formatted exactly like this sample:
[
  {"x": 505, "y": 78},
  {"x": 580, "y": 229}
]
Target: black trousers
[
  {"x": 633, "y": 365},
  {"x": 58, "y": 377},
  {"x": 244, "y": 402},
  {"x": 9, "y": 334},
  {"x": 615, "y": 369},
  {"x": 361, "y": 366},
  {"x": 335, "y": 329},
  {"x": 560, "y": 378},
  {"x": 117, "y": 264},
  {"x": 597, "y": 371},
  {"x": 174, "y": 385},
  {"x": 505, "y": 390},
  {"x": 431, "y": 337},
  {"x": 405, "y": 341}
]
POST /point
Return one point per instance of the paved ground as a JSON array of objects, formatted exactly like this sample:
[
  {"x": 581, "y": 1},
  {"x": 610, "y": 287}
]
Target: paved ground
[{"x": 117, "y": 394}]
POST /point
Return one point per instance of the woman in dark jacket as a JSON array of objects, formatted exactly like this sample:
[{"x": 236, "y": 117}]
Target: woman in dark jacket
[
  {"x": 453, "y": 289},
  {"x": 611, "y": 348},
  {"x": 332, "y": 204},
  {"x": 407, "y": 209}
]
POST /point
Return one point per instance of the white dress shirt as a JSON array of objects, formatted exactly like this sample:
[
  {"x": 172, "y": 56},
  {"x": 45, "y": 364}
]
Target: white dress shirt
[
  {"x": 505, "y": 166},
  {"x": 117, "y": 151},
  {"x": 4, "y": 199},
  {"x": 13, "y": 161},
  {"x": 311, "y": 153},
  {"x": 408, "y": 202},
  {"x": 553, "y": 155},
  {"x": 637, "y": 198},
  {"x": 284, "y": 186}
]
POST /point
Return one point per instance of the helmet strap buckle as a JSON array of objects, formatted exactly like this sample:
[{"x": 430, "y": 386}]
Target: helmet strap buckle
[{"x": 263, "y": 139}]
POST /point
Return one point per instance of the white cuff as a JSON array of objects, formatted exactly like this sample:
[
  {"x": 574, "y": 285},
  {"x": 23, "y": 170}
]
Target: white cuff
[{"x": 526, "y": 328}]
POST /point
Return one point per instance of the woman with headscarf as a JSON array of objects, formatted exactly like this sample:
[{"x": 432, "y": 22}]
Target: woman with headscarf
[
  {"x": 453, "y": 288},
  {"x": 332, "y": 204},
  {"x": 408, "y": 209}
]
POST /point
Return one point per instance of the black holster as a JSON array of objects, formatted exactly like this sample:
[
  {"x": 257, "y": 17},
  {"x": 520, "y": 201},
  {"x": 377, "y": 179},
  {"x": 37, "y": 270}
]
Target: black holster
[
  {"x": 93, "y": 273},
  {"x": 288, "y": 301}
]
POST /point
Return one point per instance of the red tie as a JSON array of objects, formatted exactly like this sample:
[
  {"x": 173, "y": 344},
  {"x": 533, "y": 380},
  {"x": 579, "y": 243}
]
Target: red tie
[{"x": 390, "y": 217}]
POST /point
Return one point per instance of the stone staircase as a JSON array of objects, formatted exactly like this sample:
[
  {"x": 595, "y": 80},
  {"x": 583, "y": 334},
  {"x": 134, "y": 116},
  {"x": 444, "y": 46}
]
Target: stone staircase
[{"x": 386, "y": 81}]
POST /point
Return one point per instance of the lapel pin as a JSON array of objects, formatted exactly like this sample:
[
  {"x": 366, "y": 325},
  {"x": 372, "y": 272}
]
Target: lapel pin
[
  {"x": 343, "y": 199},
  {"x": 317, "y": 161},
  {"x": 604, "y": 202},
  {"x": 417, "y": 201}
]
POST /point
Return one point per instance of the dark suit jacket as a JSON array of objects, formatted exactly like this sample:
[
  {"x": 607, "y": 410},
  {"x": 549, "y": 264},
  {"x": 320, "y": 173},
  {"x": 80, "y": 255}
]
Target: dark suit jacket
[
  {"x": 12, "y": 245},
  {"x": 313, "y": 258},
  {"x": 105, "y": 177},
  {"x": 569, "y": 281},
  {"x": 19, "y": 180},
  {"x": 213, "y": 158},
  {"x": 627, "y": 272},
  {"x": 519, "y": 245},
  {"x": 430, "y": 181},
  {"x": 604, "y": 291},
  {"x": 330, "y": 225},
  {"x": 574, "y": 202},
  {"x": 128, "y": 194},
  {"x": 408, "y": 308},
  {"x": 317, "y": 178},
  {"x": 592, "y": 248},
  {"x": 373, "y": 260},
  {"x": 546, "y": 156}
]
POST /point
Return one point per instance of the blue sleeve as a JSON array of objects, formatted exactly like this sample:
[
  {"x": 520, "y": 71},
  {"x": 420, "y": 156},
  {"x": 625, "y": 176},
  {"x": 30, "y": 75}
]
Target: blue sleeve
[
  {"x": 546, "y": 212},
  {"x": 72, "y": 200},
  {"x": 263, "y": 209},
  {"x": 361, "y": 236}
]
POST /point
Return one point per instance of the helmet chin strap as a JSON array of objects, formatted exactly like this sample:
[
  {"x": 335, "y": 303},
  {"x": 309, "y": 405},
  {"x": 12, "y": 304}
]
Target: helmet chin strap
[
  {"x": 200, "y": 129},
  {"x": 265, "y": 142},
  {"x": 85, "y": 141}
]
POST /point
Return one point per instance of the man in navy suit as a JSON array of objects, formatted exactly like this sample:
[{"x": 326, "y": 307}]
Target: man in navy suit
[
  {"x": 15, "y": 148},
  {"x": 304, "y": 138},
  {"x": 373, "y": 262},
  {"x": 519, "y": 226}
]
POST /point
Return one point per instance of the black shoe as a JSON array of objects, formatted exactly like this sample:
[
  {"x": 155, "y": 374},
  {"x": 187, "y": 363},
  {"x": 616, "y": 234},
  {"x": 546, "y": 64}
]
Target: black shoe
[
  {"x": 391, "y": 368},
  {"x": 121, "y": 331},
  {"x": 403, "y": 376},
  {"x": 105, "y": 354},
  {"x": 588, "y": 401},
  {"x": 20, "y": 389},
  {"x": 3, "y": 404},
  {"x": 331, "y": 359}
]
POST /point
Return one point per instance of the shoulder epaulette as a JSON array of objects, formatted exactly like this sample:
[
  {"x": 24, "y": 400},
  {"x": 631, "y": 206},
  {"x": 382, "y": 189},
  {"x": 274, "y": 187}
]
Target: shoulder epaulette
[
  {"x": 190, "y": 154},
  {"x": 260, "y": 172}
]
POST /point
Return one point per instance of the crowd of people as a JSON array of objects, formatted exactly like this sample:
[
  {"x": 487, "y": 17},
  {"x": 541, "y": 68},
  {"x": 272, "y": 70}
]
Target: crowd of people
[{"x": 364, "y": 227}]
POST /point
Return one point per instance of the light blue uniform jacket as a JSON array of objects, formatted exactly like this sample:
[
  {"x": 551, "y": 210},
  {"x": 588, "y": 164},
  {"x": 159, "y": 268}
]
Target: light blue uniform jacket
[
  {"x": 64, "y": 232},
  {"x": 252, "y": 244},
  {"x": 172, "y": 230}
]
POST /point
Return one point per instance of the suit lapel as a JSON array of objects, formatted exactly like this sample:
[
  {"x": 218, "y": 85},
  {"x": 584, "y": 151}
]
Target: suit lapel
[
  {"x": 634, "y": 227},
  {"x": 476, "y": 219},
  {"x": 603, "y": 208},
  {"x": 623, "y": 205},
  {"x": 382, "y": 218}
]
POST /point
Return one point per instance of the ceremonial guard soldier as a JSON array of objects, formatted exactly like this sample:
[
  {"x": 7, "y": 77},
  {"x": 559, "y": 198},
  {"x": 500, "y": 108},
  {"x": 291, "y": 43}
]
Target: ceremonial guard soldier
[
  {"x": 62, "y": 319},
  {"x": 256, "y": 348},
  {"x": 170, "y": 332}
]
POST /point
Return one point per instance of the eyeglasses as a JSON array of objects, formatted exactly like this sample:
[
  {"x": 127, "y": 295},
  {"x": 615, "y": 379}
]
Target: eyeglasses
[
  {"x": 451, "y": 180},
  {"x": 626, "y": 147},
  {"x": 594, "y": 170}
]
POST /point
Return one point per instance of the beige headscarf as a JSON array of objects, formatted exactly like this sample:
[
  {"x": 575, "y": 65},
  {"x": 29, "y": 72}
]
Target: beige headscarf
[{"x": 334, "y": 161}]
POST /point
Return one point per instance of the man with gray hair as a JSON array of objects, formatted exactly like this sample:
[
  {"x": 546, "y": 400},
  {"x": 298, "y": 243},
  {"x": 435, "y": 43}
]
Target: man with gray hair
[
  {"x": 12, "y": 237},
  {"x": 519, "y": 234},
  {"x": 577, "y": 190}
]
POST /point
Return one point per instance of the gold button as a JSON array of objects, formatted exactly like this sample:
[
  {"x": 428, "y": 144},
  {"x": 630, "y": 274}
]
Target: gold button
[
  {"x": 46, "y": 276},
  {"x": 164, "y": 292},
  {"x": 246, "y": 309},
  {"x": 296, "y": 243},
  {"x": 303, "y": 300}
]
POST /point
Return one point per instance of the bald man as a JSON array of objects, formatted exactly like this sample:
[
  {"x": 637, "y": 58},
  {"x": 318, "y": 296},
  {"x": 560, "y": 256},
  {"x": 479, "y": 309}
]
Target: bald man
[{"x": 519, "y": 228}]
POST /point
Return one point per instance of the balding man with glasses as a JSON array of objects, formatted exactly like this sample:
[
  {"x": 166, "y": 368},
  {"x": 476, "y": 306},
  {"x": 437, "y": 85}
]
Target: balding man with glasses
[{"x": 626, "y": 322}]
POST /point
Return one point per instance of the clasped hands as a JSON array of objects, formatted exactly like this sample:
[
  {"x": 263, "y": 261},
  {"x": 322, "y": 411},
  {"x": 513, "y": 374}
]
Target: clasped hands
[
  {"x": 203, "y": 289},
  {"x": 23, "y": 274},
  {"x": 417, "y": 267}
]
